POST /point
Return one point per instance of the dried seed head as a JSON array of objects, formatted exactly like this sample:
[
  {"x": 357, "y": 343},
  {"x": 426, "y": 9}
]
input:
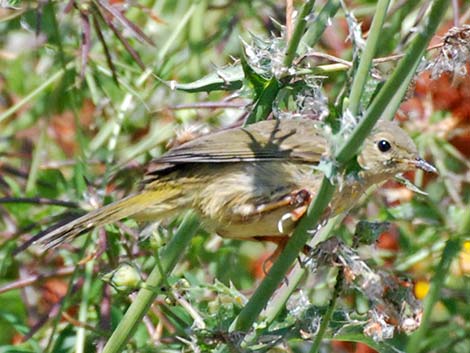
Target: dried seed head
[
  {"x": 454, "y": 54},
  {"x": 378, "y": 328},
  {"x": 266, "y": 56},
  {"x": 308, "y": 103},
  {"x": 297, "y": 304}
]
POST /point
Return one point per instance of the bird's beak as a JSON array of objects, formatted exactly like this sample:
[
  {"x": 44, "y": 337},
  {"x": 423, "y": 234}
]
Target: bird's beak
[{"x": 422, "y": 164}]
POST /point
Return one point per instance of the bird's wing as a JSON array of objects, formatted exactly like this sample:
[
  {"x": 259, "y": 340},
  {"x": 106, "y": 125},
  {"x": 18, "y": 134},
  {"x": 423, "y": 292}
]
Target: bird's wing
[{"x": 296, "y": 140}]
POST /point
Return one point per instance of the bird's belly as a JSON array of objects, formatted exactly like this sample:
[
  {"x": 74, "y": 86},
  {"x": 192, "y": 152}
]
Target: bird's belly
[
  {"x": 256, "y": 200},
  {"x": 281, "y": 221},
  {"x": 274, "y": 223}
]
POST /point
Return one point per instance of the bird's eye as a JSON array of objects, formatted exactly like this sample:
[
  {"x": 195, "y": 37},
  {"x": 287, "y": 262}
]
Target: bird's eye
[{"x": 384, "y": 145}]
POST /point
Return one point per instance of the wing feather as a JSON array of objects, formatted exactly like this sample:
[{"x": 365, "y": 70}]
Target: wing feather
[{"x": 284, "y": 140}]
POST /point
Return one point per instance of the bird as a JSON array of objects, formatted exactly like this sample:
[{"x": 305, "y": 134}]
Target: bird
[{"x": 253, "y": 182}]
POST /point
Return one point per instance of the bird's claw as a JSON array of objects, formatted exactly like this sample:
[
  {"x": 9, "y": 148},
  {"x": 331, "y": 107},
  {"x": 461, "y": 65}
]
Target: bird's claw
[{"x": 302, "y": 199}]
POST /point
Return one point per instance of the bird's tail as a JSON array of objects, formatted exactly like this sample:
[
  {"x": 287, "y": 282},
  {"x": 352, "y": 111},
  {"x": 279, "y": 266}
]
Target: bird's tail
[{"x": 160, "y": 201}]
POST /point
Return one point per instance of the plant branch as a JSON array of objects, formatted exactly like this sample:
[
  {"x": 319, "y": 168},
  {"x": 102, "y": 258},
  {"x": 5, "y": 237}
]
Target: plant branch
[
  {"x": 450, "y": 251},
  {"x": 317, "y": 208},
  {"x": 299, "y": 29},
  {"x": 396, "y": 80},
  {"x": 363, "y": 70},
  {"x": 139, "y": 307},
  {"x": 329, "y": 313}
]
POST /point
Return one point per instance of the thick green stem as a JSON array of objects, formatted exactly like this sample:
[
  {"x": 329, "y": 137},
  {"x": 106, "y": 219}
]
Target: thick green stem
[
  {"x": 146, "y": 295},
  {"x": 313, "y": 34},
  {"x": 329, "y": 313},
  {"x": 265, "y": 290},
  {"x": 400, "y": 75},
  {"x": 450, "y": 251},
  {"x": 277, "y": 272},
  {"x": 277, "y": 302},
  {"x": 357, "y": 89},
  {"x": 363, "y": 70},
  {"x": 298, "y": 32}
]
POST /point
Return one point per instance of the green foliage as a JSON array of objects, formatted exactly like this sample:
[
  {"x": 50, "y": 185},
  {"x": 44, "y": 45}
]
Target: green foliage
[{"x": 89, "y": 93}]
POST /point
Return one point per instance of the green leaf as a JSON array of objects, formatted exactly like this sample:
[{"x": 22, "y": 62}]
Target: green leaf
[
  {"x": 368, "y": 232},
  {"x": 381, "y": 347},
  {"x": 355, "y": 334},
  {"x": 256, "y": 81},
  {"x": 229, "y": 78},
  {"x": 16, "y": 349},
  {"x": 15, "y": 321},
  {"x": 409, "y": 185}
]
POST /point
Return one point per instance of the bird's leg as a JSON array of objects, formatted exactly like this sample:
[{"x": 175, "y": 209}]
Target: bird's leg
[
  {"x": 281, "y": 242},
  {"x": 301, "y": 199},
  {"x": 295, "y": 205},
  {"x": 298, "y": 197}
]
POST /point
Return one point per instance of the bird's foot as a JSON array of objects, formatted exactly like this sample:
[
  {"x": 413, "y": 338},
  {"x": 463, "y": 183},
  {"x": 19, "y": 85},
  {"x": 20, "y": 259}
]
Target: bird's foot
[{"x": 301, "y": 199}]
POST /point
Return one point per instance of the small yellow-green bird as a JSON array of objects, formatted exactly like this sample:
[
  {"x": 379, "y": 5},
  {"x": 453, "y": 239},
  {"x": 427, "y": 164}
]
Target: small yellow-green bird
[{"x": 252, "y": 182}]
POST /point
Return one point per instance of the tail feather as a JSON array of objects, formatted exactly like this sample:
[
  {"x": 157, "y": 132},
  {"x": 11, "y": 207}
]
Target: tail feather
[{"x": 108, "y": 214}]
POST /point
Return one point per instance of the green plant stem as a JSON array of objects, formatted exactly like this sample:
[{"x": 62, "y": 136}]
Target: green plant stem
[
  {"x": 277, "y": 272},
  {"x": 36, "y": 160},
  {"x": 400, "y": 75},
  {"x": 265, "y": 290},
  {"x": 363, "y": 70},
  {"x": 263, "y": 106},
  {"x": 299, "y": 29},
  {"x": 313, "y": 34},
  {"x": 34, "y": 93},
  {"x": 277, "y": 302},
  {"x": 170, "y": 256},
  {"x": 357, "y": 89},
  {"x": 329, "y": 313},
  {"x": 83, "y": 311},
  {"x": 174, "y": 34},
  {"x": 464, "y": 228},
  {"x": 397, "y": 99},
  {"x": 66, "y": 299},
  {"x": 450, "y": 251}
]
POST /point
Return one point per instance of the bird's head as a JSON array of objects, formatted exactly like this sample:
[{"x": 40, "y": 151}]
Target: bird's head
[{"x": 389, "y": 151}]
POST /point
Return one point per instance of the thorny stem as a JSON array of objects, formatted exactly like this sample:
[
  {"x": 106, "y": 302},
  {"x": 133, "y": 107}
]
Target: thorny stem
[
  {"x": 451, "y": 249},
  {"x": 263, "y": 106},
  {"x": 146, "y": 295},
  {"x": 396, "y": 80},
  {"x": 354, "y": 104},
  {"x": 363, "y": 70},
  {"x": 298, "y": 32},
  {"x": 329, "y": 312},
  {"x": 265, "y": 290}
]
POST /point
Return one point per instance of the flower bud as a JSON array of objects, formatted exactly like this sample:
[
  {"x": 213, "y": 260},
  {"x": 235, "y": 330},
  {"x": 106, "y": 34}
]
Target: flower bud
[{"x": 125, "y": 277}]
